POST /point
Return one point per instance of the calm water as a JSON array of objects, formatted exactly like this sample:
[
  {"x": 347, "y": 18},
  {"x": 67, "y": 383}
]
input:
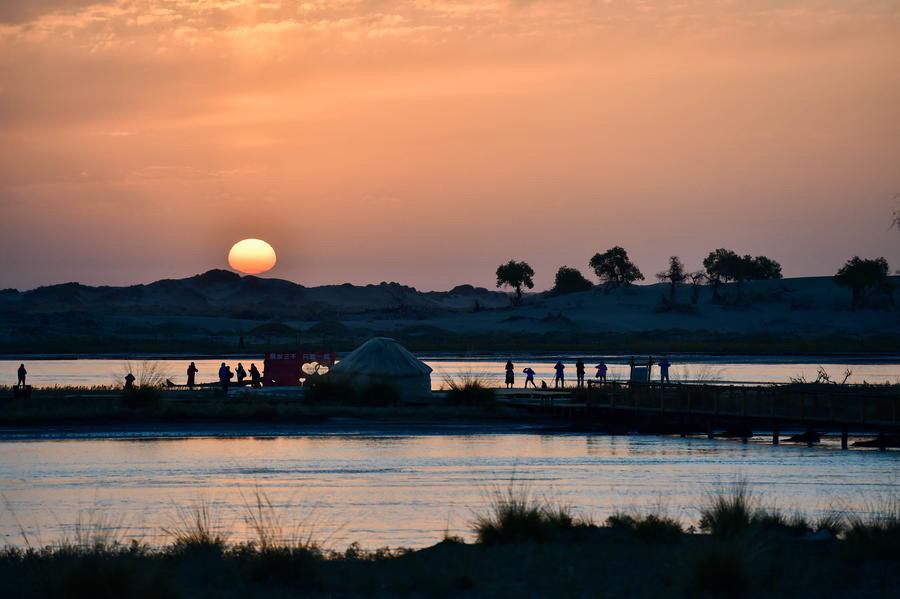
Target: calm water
[
  {"x": 726, "y": 370},
  {"x": 398, "y": 487}
]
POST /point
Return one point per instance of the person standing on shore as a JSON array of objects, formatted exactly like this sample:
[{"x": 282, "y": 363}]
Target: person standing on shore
[
  {"x": 529, "y": 378},
  {"x": 664, "y": 370},
  {"x": 601, "y": 371},
  {"x": 224, "y": 377},
  {"x": 560, "y": 378},
  {"x": 129, "y": 382},
  {"x": 191, "y": 375},
  {"x": 241, "y": 374},
  {"x": 22, "y": 373},
  {"x": 579, "y": 371},
  {"x": 510, "y": 375},
  {"x": 254, "y": 376}
]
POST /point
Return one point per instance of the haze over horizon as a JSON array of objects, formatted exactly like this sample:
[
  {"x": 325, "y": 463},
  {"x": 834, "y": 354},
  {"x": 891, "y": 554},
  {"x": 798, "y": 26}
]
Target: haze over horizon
[{"x": 426, "y": 142}]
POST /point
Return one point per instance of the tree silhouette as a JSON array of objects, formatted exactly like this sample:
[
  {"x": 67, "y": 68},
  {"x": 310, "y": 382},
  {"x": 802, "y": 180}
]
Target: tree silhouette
[
  {"x": 675, "y": 275},
  {"x": 515, "y": 275},
  {"x": 613, "y": 268},
  {"x": 569, "y": 280},
  {"x": 863, "y": 277},
  {"x": 725, "y": 266}
]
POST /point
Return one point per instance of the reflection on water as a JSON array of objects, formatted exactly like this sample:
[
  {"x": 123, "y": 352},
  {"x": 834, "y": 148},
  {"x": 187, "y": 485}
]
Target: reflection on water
[
  {"x": 727, "y": 369},
  {"x": 396, "y": 489}
]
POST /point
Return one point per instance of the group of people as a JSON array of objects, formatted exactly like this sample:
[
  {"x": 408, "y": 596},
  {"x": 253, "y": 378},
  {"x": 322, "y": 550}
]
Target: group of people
[
  {"x": 225, "y": 375},
  {"x": 559, "y": 379}
]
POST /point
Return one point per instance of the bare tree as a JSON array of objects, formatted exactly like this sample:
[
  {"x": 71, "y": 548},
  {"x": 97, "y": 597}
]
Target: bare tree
[{"x": 698, "y": 279}]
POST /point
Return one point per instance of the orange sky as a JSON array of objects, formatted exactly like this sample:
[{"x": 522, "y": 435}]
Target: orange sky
[{"x": 428, "y": 141}]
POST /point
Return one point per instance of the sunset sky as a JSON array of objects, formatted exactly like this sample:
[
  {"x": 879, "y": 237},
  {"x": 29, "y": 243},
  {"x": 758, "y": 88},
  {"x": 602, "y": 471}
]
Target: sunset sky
[{"x": 428, "y": 141}]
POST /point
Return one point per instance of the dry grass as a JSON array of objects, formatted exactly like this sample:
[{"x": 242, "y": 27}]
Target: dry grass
[
  {"x": 469, "y": 389},
  {"x": 514, "y": 515}
]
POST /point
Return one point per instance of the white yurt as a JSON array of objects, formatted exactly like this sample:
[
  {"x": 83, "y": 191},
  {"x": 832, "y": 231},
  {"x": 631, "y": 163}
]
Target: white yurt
[{"x": 384, "y": 361}]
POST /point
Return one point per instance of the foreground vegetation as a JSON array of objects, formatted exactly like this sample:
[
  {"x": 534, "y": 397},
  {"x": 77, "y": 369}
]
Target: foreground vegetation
[{"x": 525, "y": 546}]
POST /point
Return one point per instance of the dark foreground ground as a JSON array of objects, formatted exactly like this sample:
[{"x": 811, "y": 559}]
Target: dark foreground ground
[{"x": 590, "y": 562}]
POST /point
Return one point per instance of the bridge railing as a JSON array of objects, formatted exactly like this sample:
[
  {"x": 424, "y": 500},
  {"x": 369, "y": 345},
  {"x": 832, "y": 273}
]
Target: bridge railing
[{"x": 864, "y": 405}]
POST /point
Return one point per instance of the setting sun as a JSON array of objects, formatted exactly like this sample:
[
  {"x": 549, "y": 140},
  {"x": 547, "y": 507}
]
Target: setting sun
[{"x": 251, "y": 256}]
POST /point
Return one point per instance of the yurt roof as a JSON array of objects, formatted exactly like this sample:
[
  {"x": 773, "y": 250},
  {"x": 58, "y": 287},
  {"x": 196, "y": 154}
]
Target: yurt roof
[{"x": 381, "y": 356}]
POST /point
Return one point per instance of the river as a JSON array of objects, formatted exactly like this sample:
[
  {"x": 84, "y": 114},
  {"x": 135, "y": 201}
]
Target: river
[{"x": 396, "y": 486}]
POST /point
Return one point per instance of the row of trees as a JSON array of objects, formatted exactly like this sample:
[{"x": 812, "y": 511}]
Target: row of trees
[{"x": 614, "y": 268}]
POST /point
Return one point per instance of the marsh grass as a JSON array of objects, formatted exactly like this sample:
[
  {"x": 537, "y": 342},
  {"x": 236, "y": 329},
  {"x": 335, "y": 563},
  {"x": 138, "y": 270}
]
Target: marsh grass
[
  {"x": 729, "y": 511},
  {"x": 875, "y": 534},
  {"x": 196, "y": 528},
  {"x": 515, "y": 515},
  {"x": 150, "y": 377},
  {"x": 469, "y": 389}
]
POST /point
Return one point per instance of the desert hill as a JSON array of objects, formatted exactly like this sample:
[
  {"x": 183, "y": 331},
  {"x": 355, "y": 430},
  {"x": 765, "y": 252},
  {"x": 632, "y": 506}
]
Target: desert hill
[{"x": 222, "y": 311}]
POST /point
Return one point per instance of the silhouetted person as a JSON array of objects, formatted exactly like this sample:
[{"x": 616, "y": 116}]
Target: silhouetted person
[
  {"x": 560, "y": 378},
  {"x": 664, "y": 370},
  {"x": 254, "y": 376},
  {"x": 631, "y": 368},
  {"x": 579, "y": 371},
  {"x": 191, "y": 373},
  {"x": 22, "y": 373},
  {"x": 601, "y": 370},
  {"x": 241, "y": 374},
  {"x": 129, "y": 382},
  {"x": 529, "y": 378},
  {"x": 510, "y": 375},
  {"x": 544, "y": 385},
  {"x": 225, "y": 375}
]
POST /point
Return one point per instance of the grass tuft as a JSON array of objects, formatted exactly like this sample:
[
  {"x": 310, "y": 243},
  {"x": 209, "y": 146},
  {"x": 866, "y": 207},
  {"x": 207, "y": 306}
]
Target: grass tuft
[
  {"x": 196, "y": 529},
  {"x": 469, "y": 389},
  {"x": 729, "y": 512},
  {"x": 514, "y": 515}
]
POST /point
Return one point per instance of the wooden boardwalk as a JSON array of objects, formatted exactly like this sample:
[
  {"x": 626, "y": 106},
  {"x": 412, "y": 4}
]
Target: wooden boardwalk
[{"x": 713, "y": 409}]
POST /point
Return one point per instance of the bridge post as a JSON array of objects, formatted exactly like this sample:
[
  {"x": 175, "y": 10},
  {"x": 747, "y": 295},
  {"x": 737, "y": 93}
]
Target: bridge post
[
  {"x": 844, "y": 438},
  {"x": 775, "y": 434}
]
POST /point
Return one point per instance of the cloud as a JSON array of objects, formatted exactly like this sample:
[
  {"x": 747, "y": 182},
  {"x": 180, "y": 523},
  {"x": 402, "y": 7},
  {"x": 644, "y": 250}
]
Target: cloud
[{"x": 14, "y": 12}]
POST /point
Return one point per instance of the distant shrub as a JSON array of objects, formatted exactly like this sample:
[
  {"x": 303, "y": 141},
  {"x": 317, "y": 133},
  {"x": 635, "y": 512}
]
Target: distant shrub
[
  {"x": 864, "y": 278},
  {"x": 569, "y": 280}
]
